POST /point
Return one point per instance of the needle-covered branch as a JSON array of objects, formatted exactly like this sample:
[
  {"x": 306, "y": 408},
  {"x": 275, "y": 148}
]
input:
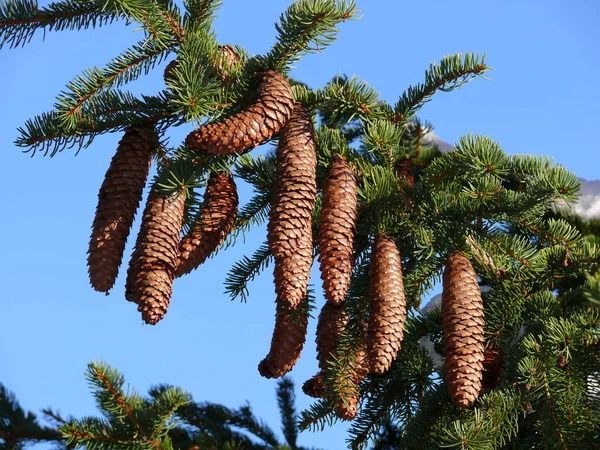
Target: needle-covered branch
[
  {"x": 20, "y": 19},
  {"x": 452, "y": 72},
  {"x": 307, "y": 26},
  {"x": 111, "y": 111}
]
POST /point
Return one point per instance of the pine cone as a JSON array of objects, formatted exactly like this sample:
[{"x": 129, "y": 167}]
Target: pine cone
[
  {"x": 387, "y": 304},
  {"x": 462, "y": 330},
  {"x": 337, "y": 229},
  {"x": 349, "y": 409},
  {"x": 332, "y": 321},
  {"x": 290, "y": 220},
  {"x": 118, "y": 200},
  {"x": 214, "y": 223},
  {"x": 315, "y": 386},
  {"x": 252, "y": 126},
  {"x": 492, "y": 367},
  {"x": 287, "y": 342},
  {"x": 152, "y": 266}
]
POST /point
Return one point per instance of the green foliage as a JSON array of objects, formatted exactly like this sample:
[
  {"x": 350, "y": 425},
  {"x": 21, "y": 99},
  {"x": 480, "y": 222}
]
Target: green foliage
[{"x": 539, "y": 264}]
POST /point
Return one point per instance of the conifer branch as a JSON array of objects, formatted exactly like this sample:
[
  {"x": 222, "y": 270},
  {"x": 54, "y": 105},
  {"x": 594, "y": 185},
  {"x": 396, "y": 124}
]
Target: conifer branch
[
  {"x": 111, "y": 111},
  {"x": 245, "y": 270},
  {"x": 307, "y": 26},
  {"x": 20, "y": 19},
  {"x": 287, "y": 408},
  {"x": 452, "y": 72},
  {"x": 199, "y": 14},
  {"x": 138, "y": 60}
]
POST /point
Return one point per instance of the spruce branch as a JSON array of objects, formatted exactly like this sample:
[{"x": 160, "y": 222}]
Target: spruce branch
[
  {"x": 307, "y": 26},
  {"x": 287, "y": 408},
  {"x": 82, "y": 91},
  {"x": 110, "y": 111},
  {"x": 199, "y": 14},
  {"x": 246, "y": 420},
  {"x": 20, "y": 19},
  {"x": 245, "y": 270},
  {"x": 452, "y": 72}
]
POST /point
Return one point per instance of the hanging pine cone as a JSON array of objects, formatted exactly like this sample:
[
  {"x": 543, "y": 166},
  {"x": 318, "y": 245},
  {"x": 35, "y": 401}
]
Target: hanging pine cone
[
  {"x": 152, "y": 266},
  {"x": 332, "y": 321},
  {"x": 253, "y": 126},
  {"x": 287, "y": 342},
  {"x": 493, "y": 359},
  {"x": 214, "y": 223},
  {"x": 337, "y": 229},
  {"x": 462, "y": 327},
  {"x": 387, "y": 304},
  {"x": 290, "y": 220},
  {"x": 348, "y": 409},
  {"x": 315, "y": 386},
  {"x": 118, "y": 200}
]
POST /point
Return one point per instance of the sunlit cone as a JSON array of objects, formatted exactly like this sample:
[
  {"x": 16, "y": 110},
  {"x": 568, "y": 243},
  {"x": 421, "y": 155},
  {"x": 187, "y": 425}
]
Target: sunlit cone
[
  {"x": 214, "y": 223},
  {"x": 315, "y": 386},
  {"x": 349, "y": 385},
  {"x": 152, "y": 266},
  {"x": 493, "y": 359},
  {"x": 251, "y": 127},
  {"x": 387, "y": 312},
  {"x": 287, "y": 342},
  {"x": 337, "y": 229},
  {"x": 332, "y": 321},
  {"x": 462, "y": 330},
  {"x": 118, "y": 200},
  {"x": 290, "y": 220}
]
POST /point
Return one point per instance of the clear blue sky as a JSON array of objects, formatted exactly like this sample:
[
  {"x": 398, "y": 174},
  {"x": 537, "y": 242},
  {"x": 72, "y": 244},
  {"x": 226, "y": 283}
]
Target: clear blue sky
[{"x": 543, "y": 98}]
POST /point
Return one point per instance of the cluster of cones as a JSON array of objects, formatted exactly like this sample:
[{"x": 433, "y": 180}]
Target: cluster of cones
[{"x": 160, "y": 254}]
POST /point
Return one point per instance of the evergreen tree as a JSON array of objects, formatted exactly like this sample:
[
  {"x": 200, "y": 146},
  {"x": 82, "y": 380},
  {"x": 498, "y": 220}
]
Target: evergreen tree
[
  {"x": 521, "y": 357},
  {"x": 167, "y": 418}
]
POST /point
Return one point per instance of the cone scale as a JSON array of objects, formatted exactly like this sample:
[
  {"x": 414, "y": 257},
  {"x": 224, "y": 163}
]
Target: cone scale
[
  {"x": 337, "y": 230},
  {"x": 462, "y": 331},
  {"x": 289, "y": 232},
  {"x": 216, "y": 219},
  {"x": 347, "y": 407},
  {"x": 387, "y": 312},
  {"x": 251, "y": 127},
  {"x": 286, "y": 344},
  {"x": 152, "y": 266},
  {"x": 118, "y": 200}
]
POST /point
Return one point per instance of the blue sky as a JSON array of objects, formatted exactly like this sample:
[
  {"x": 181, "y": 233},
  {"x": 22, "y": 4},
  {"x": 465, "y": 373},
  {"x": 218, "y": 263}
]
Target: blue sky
[{"x": 543, "y": 98}]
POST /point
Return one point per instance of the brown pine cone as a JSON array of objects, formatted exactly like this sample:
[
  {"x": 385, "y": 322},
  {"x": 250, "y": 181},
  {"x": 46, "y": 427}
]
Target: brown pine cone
[
  {"x": 214, "y": 223},
  {"x": 118, "y": 200},
  {"x": 387, "y": 304},
  {"x": 337, "y": 229},
  {"x": 152, "y": 266},
  {"x": 289, "y": 232},
  {"x": 462, "y": 330},
  {"x": 315, "y": 386},
  {"x": 332, "y": 321},
  {"x": 287, "y": 342},
  {"x": 492, "y": 367},
  {"x": 360, "y": 369},
  {"x": 251, "y": 127}
]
